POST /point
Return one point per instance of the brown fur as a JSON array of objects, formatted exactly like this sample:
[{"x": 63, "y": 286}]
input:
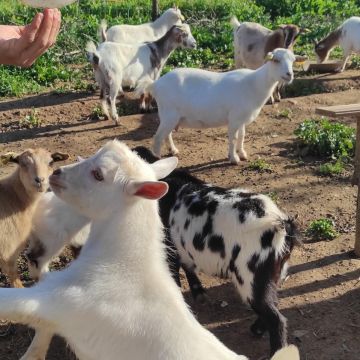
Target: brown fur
[
  {"x": 283, "y": 37},
  {"x": 19, "y": 194},
  {"x": 323, "y": 47}
]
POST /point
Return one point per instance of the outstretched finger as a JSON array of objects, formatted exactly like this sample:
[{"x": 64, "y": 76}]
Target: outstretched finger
[
  {"x": 41, "y": 42},
  {"x": 56, "y": 27},
  {"x": 30, "y": 31}
]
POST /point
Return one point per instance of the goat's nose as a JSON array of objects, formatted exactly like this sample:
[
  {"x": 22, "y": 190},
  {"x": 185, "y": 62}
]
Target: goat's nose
[
  {"x": 57, "y": 172},
  {"x": 39, "y": 180}
]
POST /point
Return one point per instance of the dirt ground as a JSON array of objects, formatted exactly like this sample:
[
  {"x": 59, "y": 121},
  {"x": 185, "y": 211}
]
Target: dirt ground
[{"x": 321, "y": 298}]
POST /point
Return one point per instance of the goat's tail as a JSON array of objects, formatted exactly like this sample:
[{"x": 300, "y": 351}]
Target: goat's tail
[
  {"x": 145, "y": 87},
  {"x": 102, "y": 31},
  {"x": 235, "y": 23},
  {"x": 287, "y": 353},
  {"x": 92, "y": 54}
]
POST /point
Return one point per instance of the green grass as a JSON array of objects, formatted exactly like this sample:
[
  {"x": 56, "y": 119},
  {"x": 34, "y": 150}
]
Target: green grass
[
  {"x": 322, "y": 229},
  {"x": 332, "y": 168},
  {"x": 64, "y": 66}
]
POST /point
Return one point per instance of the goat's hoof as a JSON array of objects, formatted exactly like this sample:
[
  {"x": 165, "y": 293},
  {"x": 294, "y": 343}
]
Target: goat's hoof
[
  {"x": 257, "y": 329},
  {"x": 174, "y": 151},
  {"x": 339, "y": 70},
  {"x": 202, "y": 298}
]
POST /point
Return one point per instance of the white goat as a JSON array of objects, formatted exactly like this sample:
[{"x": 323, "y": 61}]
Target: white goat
[
  {"x": 19, "y": 194},
  {"x": 347, "y": 36},
  {"x": 105, "y": 304},
  {"x": 135, "y": 34},
  {"x": 202, "y": 99},
  {"x": 253, "y": 41},
  {"x": 118, "y": 65},
  {"x": 55, "y": 224}
]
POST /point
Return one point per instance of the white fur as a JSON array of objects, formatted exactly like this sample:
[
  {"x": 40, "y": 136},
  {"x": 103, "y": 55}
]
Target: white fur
[
  {"x": 121, "y": 65},
  {"x": 105, "y": 304},
  {"x": 202, "y": 99},
  {"x": 55, "y": 225},
  {"x": 136, "y": 34}
]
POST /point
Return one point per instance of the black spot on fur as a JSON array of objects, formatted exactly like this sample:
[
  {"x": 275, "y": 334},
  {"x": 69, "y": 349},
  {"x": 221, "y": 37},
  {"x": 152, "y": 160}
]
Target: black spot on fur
[
  {"x": 251, "y": 47},
  {"x": 182, "y": 242},
  {"x": 234, "y": 254},
  {"x": 199, "y": 242},
  {"x": 76, "y": 250},
  {"x": 187, "y": 223},
  {"x": 267, "y": 238},
  {"x": 212, "y": 206},
  {"x": 238, "y": 277},
  {"x": 256, "y": 206},
  {"x": 208, "y": 227},
  {"x": 216, "y": 244},
  {"x": 196, "y": 207},
  {"x": 172, "y": 222},
  {"x": 252, "y": 264}
]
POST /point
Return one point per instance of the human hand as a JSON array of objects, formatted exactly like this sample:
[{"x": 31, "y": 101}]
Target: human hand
[{"x": 22, "y": 45}]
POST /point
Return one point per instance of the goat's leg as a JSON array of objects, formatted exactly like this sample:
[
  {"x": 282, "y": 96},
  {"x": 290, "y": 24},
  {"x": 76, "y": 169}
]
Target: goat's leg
[
  {"x": 197, "y": 291},
  {"x": 272, "y": 318},
  {"x": 347, "y": 54},
  {"x": 10, "y": 268},
  {"x": 104, "y": 103},
  {"x": 168, "y": 122},
  {"x": 173, "y": 149},
  {"x": 39, "y": 345},
  {"x": 115, "y": 87},
  {"x": 233, "y": 134},
  {"x": 240, "y": 143},
  {"x": 258, "y": 328}
]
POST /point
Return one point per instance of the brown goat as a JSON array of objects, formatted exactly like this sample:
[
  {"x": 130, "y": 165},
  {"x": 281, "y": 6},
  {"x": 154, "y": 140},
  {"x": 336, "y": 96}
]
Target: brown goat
[{"x": 19, "y": 193}]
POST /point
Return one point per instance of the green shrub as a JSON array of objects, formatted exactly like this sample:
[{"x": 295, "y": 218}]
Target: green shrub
[
  {"x": 322, "y": 229},
  {"x": 324, "y": 138}
]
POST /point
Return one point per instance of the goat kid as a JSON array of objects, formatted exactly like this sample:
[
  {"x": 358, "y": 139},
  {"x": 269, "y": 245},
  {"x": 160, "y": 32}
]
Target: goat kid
[
  {"x": 19, "y": 194},
  {"x": 136, "y": 34},
  {"x": 232, "y": 233},
  {"x": 118, "y": 65},
  {"x": 252, "y": 42},
  {"x": 198, "y": 98},
  {"x": 346, "y": 36}
]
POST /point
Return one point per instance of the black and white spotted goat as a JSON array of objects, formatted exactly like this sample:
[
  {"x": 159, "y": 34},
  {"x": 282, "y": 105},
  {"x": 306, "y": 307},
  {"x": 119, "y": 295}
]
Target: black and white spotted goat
[{"x": 231, "y": 233}]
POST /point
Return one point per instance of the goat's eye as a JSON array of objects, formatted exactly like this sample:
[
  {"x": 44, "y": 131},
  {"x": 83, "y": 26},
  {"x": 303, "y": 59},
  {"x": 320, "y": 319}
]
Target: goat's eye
[
  {"x": 276, "y": 61},
  {"x": 98, "y": 175}
]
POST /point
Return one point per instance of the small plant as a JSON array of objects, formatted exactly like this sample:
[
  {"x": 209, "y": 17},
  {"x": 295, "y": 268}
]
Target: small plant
[
  {"x": 331, "y": 169},
  {"x": 284, "y": 113},
  {"x": 322, "y": 229},
  {"x": 260, "y": 165},
  {"x": 328, "y": 139},
  {"x": 96, "y": 113},
  {"x": 273, "y": 196},
  {"x": 32, "y": 120}
]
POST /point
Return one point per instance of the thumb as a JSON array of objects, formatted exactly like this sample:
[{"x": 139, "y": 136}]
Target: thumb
[{"x": 30, "y": 31}]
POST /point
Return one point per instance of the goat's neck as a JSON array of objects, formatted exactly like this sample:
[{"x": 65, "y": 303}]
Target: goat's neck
[
  {"x": 25, "y": 198},
  {"x": 161, "y": 24},
  {"x": 129, "y": 236},
  {"x": 333, "y": 39},
  {"x": 162, "y": 49},
  {"x": 264, "y": 84}
]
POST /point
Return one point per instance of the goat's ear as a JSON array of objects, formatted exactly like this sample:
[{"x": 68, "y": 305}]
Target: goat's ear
[
  {"x": 152, "y": 190},
  {"x": 304, "y": 31},
  {"x": 164, "y": 167},
  {"x": 9, "y": 157},
  {"x": 300, "y": 59},
  {"x": 269, "y": 56},
  {"x": 58, "y": 156}
]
